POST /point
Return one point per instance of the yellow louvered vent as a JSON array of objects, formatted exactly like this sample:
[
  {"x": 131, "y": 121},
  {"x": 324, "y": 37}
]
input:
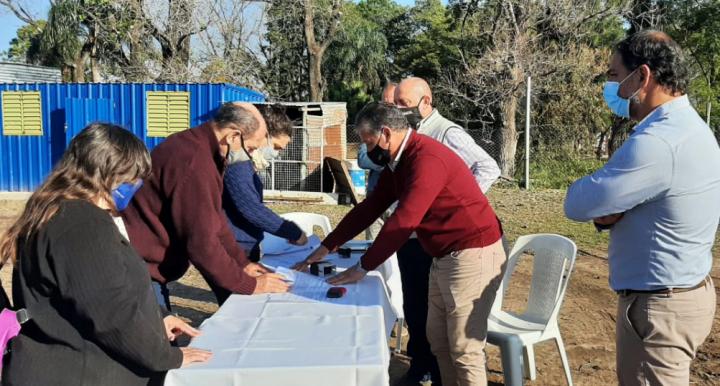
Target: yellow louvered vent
[
  {"x": 21, "y": 113},
  {"x": 168, "y": 112}
]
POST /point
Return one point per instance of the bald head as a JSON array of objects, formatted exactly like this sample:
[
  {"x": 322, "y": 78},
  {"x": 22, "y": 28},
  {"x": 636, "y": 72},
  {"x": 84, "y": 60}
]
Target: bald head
[
  {"x": 388, "y": 94},
  {"x": 412, "y": 92},
  {"x": 239, "y": 123},
  {"x": 255, "y": 113}
]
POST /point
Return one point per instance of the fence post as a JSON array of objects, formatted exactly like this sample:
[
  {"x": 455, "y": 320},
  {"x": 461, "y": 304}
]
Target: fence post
[
  {"x": 709, "y": 108},
  {"x": 527, "y": 133}
]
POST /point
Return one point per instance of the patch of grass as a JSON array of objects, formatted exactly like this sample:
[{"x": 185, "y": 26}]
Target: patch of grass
[
  {"x": 541, "y": 211},
  {"x": 559, "y": 171}
]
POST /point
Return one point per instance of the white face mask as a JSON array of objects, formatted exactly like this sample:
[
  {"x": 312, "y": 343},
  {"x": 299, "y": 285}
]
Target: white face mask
[
  {"x": 259, "y": 160},
  {"x": 241, "y": 155},
  {"x": 235, "y": 156},
  {"x": 269, "y": 153}
]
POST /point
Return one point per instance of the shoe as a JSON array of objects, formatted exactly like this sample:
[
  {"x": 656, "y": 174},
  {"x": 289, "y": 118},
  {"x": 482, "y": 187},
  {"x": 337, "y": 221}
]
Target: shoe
[{"x": 426, "y": 380}]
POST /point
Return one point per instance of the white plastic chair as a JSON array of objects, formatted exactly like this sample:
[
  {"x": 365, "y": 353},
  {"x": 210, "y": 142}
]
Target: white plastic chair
[
  {"x": 554, "y": 257},
  {"x": 308, "y": 221}
]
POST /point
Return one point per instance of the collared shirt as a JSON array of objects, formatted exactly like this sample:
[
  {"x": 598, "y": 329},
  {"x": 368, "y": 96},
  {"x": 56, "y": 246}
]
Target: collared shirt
[
  {"x": 665, "y": 178},
  {"x": 483, "y": 167},
  {"x": 392, "y": 165}
]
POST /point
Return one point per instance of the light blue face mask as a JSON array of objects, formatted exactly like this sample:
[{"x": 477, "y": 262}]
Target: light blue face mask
[
  {"x": 269, "y": 153},
  {"x": 618, "y": 105}
]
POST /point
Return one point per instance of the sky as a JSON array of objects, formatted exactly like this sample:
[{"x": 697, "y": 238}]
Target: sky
[{"x": 39, "y": 8}]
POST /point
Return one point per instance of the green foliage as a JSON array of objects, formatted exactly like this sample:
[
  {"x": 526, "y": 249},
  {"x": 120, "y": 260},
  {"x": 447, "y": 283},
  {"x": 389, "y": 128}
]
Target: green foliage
[
  {"x": 25, "y": 45},
  {"x": 695, "y": 25},
  {"x": 286, "y": 69},
  {"x": 557, "y": 170},
  {"x": 434, "y": 44}
]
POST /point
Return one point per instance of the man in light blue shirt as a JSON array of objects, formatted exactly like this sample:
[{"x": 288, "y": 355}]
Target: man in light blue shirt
[{"x": 659, "y": 195}]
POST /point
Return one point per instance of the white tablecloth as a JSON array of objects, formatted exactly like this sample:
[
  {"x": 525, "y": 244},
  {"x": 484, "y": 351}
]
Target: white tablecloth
[{"x": 286, "y": 339}]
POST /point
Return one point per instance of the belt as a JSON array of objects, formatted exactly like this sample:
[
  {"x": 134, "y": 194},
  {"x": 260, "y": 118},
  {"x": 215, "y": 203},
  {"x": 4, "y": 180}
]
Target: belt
[{"x": 663, "y": 291}]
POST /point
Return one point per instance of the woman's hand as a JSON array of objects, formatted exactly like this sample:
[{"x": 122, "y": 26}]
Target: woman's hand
[
  {"x": 194, "y": 355},
  {"x": 175, "y": 327}
]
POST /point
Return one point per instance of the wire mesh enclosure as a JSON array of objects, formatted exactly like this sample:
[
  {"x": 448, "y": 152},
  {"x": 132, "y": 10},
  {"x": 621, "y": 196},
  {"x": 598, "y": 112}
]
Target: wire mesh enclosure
[{"x": 319, "y": 131}]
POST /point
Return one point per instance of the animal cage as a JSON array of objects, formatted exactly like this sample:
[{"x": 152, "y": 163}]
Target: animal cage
[{"x": 319, "y": 131}]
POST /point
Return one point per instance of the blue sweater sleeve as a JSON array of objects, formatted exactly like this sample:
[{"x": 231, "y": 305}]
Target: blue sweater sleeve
[{"x": 246, "y": 199}]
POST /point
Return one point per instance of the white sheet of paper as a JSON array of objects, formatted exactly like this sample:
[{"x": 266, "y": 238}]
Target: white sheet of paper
[{"x": 305, "y": 284}]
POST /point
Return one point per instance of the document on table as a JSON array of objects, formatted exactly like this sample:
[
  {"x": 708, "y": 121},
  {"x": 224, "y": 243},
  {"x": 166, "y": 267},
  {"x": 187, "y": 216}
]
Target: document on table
[{"x": 304, "y": 284}]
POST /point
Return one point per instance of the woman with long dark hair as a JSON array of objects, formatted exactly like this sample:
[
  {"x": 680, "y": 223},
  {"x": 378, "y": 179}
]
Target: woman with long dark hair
[{"x": 94, "y": 318}]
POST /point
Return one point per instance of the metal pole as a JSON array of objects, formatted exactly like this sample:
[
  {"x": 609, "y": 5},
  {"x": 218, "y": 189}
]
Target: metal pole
[
  {"x": 527, "y": 133},
  {"x": 322, "y": 154},
  {"x": 272, "y": 174},
  {"x": 709, "y": 108}
]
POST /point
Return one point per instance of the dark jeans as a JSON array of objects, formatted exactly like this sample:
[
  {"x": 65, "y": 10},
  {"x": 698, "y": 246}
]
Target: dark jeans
[
  {"x": 162, "y": 295},
  {"x": 415, "y": 266}
]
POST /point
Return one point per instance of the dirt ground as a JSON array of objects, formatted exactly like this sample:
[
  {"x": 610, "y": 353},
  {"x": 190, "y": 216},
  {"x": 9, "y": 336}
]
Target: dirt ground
[{"x": 587, "y": 318}]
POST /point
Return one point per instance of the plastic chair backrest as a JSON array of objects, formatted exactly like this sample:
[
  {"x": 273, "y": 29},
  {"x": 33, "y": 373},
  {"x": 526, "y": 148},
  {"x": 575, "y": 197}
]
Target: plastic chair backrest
[
  {"x": 553, "y": 261},
  {"x": 308, "y": 221}
]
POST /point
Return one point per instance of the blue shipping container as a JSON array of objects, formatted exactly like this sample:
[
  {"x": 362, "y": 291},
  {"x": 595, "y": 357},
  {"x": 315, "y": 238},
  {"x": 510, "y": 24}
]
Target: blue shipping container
[{"x": 25, "y": 161}]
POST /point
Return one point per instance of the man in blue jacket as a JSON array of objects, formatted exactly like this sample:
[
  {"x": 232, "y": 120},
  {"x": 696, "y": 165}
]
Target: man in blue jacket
[{"x": 248, "y": 216}]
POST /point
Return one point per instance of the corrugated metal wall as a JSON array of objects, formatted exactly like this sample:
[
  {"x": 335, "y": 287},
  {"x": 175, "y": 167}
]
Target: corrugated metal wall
[
  {"x": 21, "y": 73},
  {"x": 67, "y": 107}
]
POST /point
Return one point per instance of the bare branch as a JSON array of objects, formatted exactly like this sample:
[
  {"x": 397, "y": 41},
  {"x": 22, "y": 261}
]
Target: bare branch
[{"x": 19, "y": 11}]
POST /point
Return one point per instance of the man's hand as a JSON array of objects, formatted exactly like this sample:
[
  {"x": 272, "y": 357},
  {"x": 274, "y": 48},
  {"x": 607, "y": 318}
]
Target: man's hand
[
  {"x": 174, "y": 327},
  {"x": 301, "y": 241},
  {"x": 255, "y": 270},
  {"x": 271, "y": 283},
  {"x": 350, "y": 275},
  {"x": 316, "y": 256},
  {"x": 192, "y": 355}
]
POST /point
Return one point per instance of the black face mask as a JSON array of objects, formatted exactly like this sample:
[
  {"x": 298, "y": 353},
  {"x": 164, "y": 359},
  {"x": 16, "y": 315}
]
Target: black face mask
[
  {"x": 412, "y": 114},
  {"x": 379, "y": 156}
]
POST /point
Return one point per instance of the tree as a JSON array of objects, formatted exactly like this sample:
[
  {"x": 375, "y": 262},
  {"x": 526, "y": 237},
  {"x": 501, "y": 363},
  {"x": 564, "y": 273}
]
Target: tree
[
  {"x": 318, "y": 37},
  {"x": 285, "y": 73},
  {"x": 503, "y": 42},
  {"x": 695, "y": 25},
  {"x": 357, "y": 63},
  {"x": 433, "y": 41},
  {"x": 224, "y": 49},
  {"x": 24, "y": 47}
]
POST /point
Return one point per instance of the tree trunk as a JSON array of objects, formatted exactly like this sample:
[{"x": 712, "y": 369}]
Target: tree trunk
[
  {"x": 508, "y": 135},
  {"x": 316, "y": 89},
  {"x": 79, "y": 68},
  {"x": 600, "y": 149},
  {"x": 316, "y": 50},
  {"x": 94, "y": 63},
  {"x": 617, "y": 135}
]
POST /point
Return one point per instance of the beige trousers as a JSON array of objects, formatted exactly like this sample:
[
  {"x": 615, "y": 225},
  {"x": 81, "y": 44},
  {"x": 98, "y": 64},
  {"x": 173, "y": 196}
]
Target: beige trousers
[
  {"x": 462, "y": 291},
  {"x": 657, "y": 336}
]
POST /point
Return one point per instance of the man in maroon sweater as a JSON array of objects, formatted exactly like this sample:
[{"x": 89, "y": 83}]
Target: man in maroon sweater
[
  {"x": 440, "y": 200},
  {"x": 177, "y": 218}
]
